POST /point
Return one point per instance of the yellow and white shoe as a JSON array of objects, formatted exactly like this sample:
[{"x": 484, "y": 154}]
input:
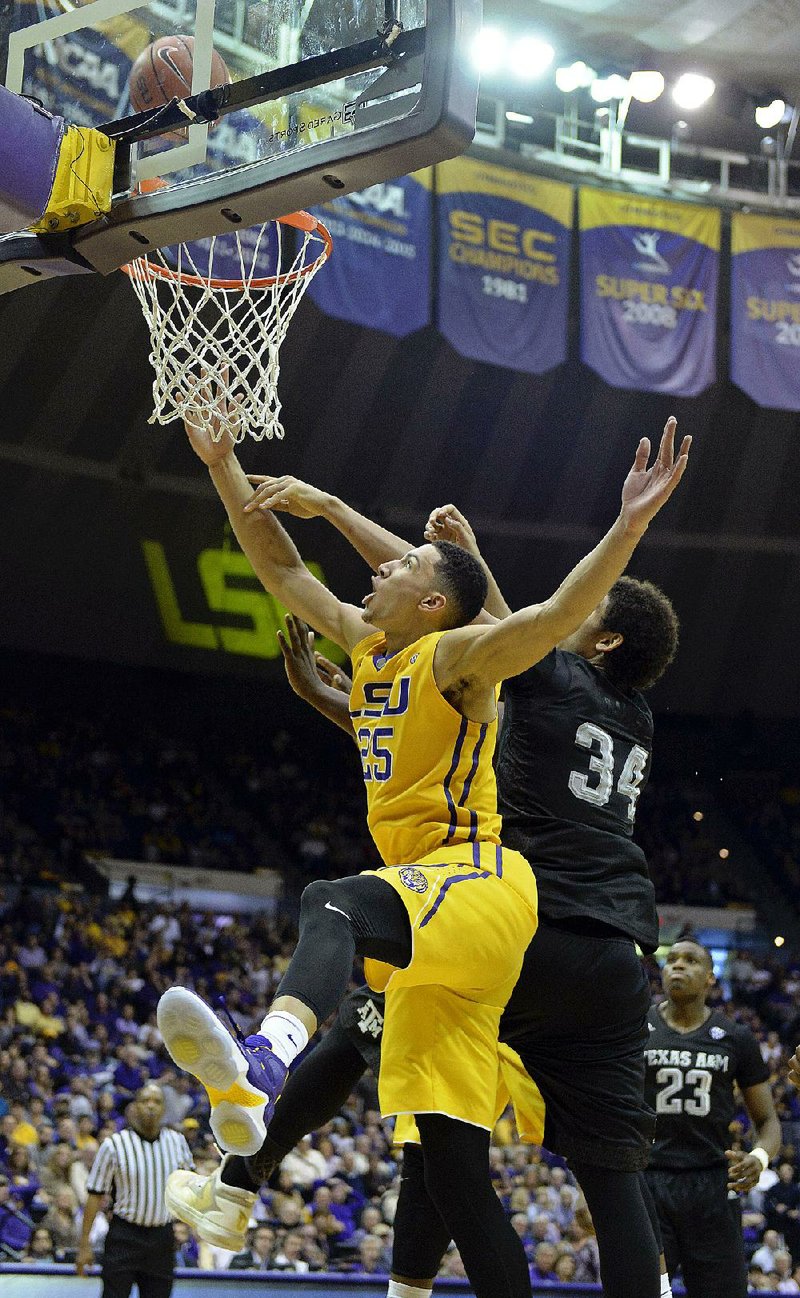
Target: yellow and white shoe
[{"x": 217, "y": 1212}]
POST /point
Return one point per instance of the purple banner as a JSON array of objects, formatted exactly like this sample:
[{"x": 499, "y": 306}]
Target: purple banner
[
  {"x": 379, "y": 274},
  {"x": 649, "y": 274},
  {"x": 765, "y": 309},
  {"x": 504, "y": 241}
]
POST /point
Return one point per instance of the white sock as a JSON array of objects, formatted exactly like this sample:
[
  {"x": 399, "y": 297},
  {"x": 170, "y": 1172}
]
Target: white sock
[
  {"x": 285, "y": 1033},
  {"x": 666, "y": 1287},
  {"x": 398, "y": 1290}
]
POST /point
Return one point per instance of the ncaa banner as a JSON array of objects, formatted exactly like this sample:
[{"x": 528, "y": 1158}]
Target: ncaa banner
[
  {"x": 649, "y": 274},
  {"x": 504, "y": 244},
  {"x": 379, "y": 274},
  {"x": 765, "y": 309}
]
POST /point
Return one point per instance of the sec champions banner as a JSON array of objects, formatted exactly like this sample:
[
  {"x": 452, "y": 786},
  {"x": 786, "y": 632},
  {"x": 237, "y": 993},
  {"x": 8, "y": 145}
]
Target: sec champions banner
[
  {"x": 649, "y": 272},
  {"x": 379, "y": 274},
  {"x": 504, "y": 241},
  {"x": 765, "y": 309}
]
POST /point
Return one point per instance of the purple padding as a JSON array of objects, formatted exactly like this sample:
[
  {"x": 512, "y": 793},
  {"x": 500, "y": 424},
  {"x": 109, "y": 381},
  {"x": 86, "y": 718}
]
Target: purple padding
[{"x": 30, "y": 140}]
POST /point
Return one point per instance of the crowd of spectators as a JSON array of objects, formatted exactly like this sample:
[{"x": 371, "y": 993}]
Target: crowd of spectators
[
  {"x": 79, "y": 980},
  {"x": 135, "y": 792}
]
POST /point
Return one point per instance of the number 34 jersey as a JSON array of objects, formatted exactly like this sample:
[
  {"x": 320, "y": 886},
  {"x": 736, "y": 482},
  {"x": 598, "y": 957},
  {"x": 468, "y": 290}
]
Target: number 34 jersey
[
  {"x": 574, "y": 756},
  {"x": 689, "y": 1081}
]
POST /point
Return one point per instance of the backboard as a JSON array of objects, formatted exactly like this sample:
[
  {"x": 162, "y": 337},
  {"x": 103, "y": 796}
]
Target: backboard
[{"x": 327, "y": 96}]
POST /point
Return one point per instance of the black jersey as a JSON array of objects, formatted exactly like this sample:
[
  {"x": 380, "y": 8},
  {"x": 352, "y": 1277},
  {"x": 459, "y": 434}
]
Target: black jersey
[
  {"x": 689, "y": 1079},
  {"x": 573, "y": 757}
]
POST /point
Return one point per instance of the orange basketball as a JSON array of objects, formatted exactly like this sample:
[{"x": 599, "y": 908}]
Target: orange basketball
[{"x": 163, "y": 72}]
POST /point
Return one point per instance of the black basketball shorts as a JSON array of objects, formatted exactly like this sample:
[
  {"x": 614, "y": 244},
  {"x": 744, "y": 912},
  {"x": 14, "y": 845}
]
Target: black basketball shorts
[
  {"x": 577, "y": 1018},
  {"x": 702, "y": 1230},
  {"x": 361, "y": 1017}
]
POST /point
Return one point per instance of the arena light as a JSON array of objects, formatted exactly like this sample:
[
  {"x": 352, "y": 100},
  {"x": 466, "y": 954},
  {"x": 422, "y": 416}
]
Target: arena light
[
  {"x": 697, "y": 815},
  {"x": 489, "y": 49},
  {"x": 779, "y": 941},
  {"x": 578, "y": 76},
  {"x": 692, "y": 90},
  {"x": 724, "y": 853},
  {"x": 770, "y": 115},
  {"x": 604, "y": 89},
  {"x": 530, "y": 57},
  {"x": 522, "y": 119},
  {"x": 646, "y": 87}
]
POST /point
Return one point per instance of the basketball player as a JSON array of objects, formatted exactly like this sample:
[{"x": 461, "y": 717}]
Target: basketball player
[
  {"x": 694, "y": 1056},
  {"x": 574, "y": 756},
  {"x": 424, "y": 695}
]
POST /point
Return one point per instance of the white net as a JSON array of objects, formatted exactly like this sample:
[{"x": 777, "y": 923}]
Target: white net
[{"x": 215, "y": 342}]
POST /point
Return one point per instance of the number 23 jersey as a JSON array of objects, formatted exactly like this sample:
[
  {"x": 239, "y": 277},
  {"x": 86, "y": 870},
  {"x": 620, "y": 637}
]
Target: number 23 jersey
[{"x": 689, "y": 1079}]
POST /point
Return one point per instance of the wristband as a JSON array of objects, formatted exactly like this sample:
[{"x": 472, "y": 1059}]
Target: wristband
[{"x": 762, "y": 1156}]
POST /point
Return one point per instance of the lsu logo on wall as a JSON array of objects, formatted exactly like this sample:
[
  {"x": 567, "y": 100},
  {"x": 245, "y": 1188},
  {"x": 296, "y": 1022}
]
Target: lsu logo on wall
[
  {"x": 231, "y": 590},
  {"x": 414, "y": 879}
]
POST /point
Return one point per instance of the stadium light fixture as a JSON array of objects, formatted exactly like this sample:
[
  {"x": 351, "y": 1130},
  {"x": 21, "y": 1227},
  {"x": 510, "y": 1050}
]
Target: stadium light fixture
[
  {"x": 604, "y": 89},
  {"x": 779, "y": 941},
  {"x": 770, "y": 115},
  {"x": 530, "y": 57},
  {"x": 578, "y": 76},
  {"x": 692, "y": 90},
  {"x": 521, "y": 119},
  {"x": 646, "y": 87},
  {"x": 489, "y": 49}
]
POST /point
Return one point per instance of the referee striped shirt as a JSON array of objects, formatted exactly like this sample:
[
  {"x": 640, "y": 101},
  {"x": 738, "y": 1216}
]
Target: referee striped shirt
[{"x": 134, "y": 1171}]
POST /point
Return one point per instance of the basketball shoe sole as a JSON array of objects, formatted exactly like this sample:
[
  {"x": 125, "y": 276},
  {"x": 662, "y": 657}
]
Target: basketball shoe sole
[{"x": 217, "y": 1212}]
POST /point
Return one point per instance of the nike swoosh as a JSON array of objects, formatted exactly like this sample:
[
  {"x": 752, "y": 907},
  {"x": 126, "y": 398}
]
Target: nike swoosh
[{"x": 328, "y": 906}]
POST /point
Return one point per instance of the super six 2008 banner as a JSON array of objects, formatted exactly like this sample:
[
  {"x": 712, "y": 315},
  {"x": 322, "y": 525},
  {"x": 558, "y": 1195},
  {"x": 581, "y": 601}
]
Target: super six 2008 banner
[
  {"x": 504, "y": 241},
  {"x": 649, "y": 272},
  {"x": 765, "y": 309}
]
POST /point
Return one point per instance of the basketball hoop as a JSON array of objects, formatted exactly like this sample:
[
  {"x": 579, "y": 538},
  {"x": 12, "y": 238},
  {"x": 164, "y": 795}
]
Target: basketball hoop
[{"x": 215, "y": 341}]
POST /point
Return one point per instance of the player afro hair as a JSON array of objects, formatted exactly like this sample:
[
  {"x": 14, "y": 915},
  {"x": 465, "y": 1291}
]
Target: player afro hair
[
  {"x": 648, "y": 624},
  {"x": 463, "y": 581}
]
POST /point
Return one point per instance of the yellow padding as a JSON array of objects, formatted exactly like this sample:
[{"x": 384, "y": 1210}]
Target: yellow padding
[{"x": 83, "y": 181}]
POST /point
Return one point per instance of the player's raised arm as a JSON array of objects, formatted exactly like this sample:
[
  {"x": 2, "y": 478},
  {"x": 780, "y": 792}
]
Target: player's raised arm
[
  {"x": 446, "y": 523},
  {"x": 481, "y": 656},
  {"x": 308, "y": 679},
  {"x": 274, "y": 556},
  {"x": 292, "y": 496}
]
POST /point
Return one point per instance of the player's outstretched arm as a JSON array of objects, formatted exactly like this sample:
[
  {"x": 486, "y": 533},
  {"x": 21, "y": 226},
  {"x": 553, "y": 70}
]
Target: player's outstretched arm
[
  {"x": 744, "y": 1170},
  {"x": 482, "y": 656},
  {"x": 305, "y": 676},
  {"x": 446, "y": 523},
  {"x": 274, "y": 556},
  {"x": 292, "y": 496}
]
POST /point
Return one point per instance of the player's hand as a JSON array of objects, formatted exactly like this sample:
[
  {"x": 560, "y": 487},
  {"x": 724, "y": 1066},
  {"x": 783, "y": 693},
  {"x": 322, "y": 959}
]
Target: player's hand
[
  {"x": 646, "y": 490},
  {"x": 214, "y": 440},
  {"x": 84, "y": 1258},
  {"x": 305, "y": 668},
  {"x": 446, "y": 523},
  {"x": 794, "y": 1068},
  {"x": 288, "y": 495},
  {"x": 744, "y": 1171}
]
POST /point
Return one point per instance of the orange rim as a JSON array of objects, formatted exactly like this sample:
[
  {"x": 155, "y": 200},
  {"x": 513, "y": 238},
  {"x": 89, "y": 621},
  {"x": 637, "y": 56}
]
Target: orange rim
[{"x": 298, "y": 220}]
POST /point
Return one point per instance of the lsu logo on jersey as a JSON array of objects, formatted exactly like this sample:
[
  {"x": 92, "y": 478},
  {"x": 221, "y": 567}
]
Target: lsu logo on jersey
[
  {"x": 386, "y": 698},
  {"x": 412, "y": 878}
]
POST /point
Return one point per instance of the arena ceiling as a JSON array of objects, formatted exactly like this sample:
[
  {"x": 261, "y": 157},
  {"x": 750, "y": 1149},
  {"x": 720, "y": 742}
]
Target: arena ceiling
[{"x": 755, "y": 43}]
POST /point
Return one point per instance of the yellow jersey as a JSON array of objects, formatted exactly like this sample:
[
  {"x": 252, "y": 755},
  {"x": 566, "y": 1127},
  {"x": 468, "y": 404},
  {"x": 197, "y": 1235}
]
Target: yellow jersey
[{"x": 427, "y": 769}]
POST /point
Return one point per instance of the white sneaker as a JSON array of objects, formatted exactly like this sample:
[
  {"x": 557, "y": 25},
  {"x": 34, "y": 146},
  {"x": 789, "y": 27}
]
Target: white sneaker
[{"x": 217, "y": 1212}]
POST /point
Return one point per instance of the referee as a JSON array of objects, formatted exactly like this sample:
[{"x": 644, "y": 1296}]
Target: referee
[{"x": 132, "y": 1166}]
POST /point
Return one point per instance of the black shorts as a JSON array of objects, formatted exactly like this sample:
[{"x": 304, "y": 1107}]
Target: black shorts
[
  {"x": 361, "y": 1015},
  {"x": 578, "y": 1020},
  {"x": 702, "y": 1230}
]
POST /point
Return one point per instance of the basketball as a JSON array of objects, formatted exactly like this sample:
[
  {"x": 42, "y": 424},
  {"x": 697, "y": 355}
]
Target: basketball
[{"x": 163, "y": 71}]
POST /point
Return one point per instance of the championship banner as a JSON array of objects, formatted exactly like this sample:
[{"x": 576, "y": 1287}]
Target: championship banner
[
  {"x": 765, "y": 309},
  {"x": 379, "y": 274},
  {"x": 504, "y": 243},
  {"x": 649, "y": 273}
]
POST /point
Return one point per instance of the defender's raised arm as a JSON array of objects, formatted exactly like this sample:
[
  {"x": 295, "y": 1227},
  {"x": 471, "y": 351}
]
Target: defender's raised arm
[{"x": 479, "y": 657}]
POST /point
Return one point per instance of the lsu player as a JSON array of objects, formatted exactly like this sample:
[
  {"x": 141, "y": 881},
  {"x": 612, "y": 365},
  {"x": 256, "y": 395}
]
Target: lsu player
[{"x": 443, "y": 926}]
